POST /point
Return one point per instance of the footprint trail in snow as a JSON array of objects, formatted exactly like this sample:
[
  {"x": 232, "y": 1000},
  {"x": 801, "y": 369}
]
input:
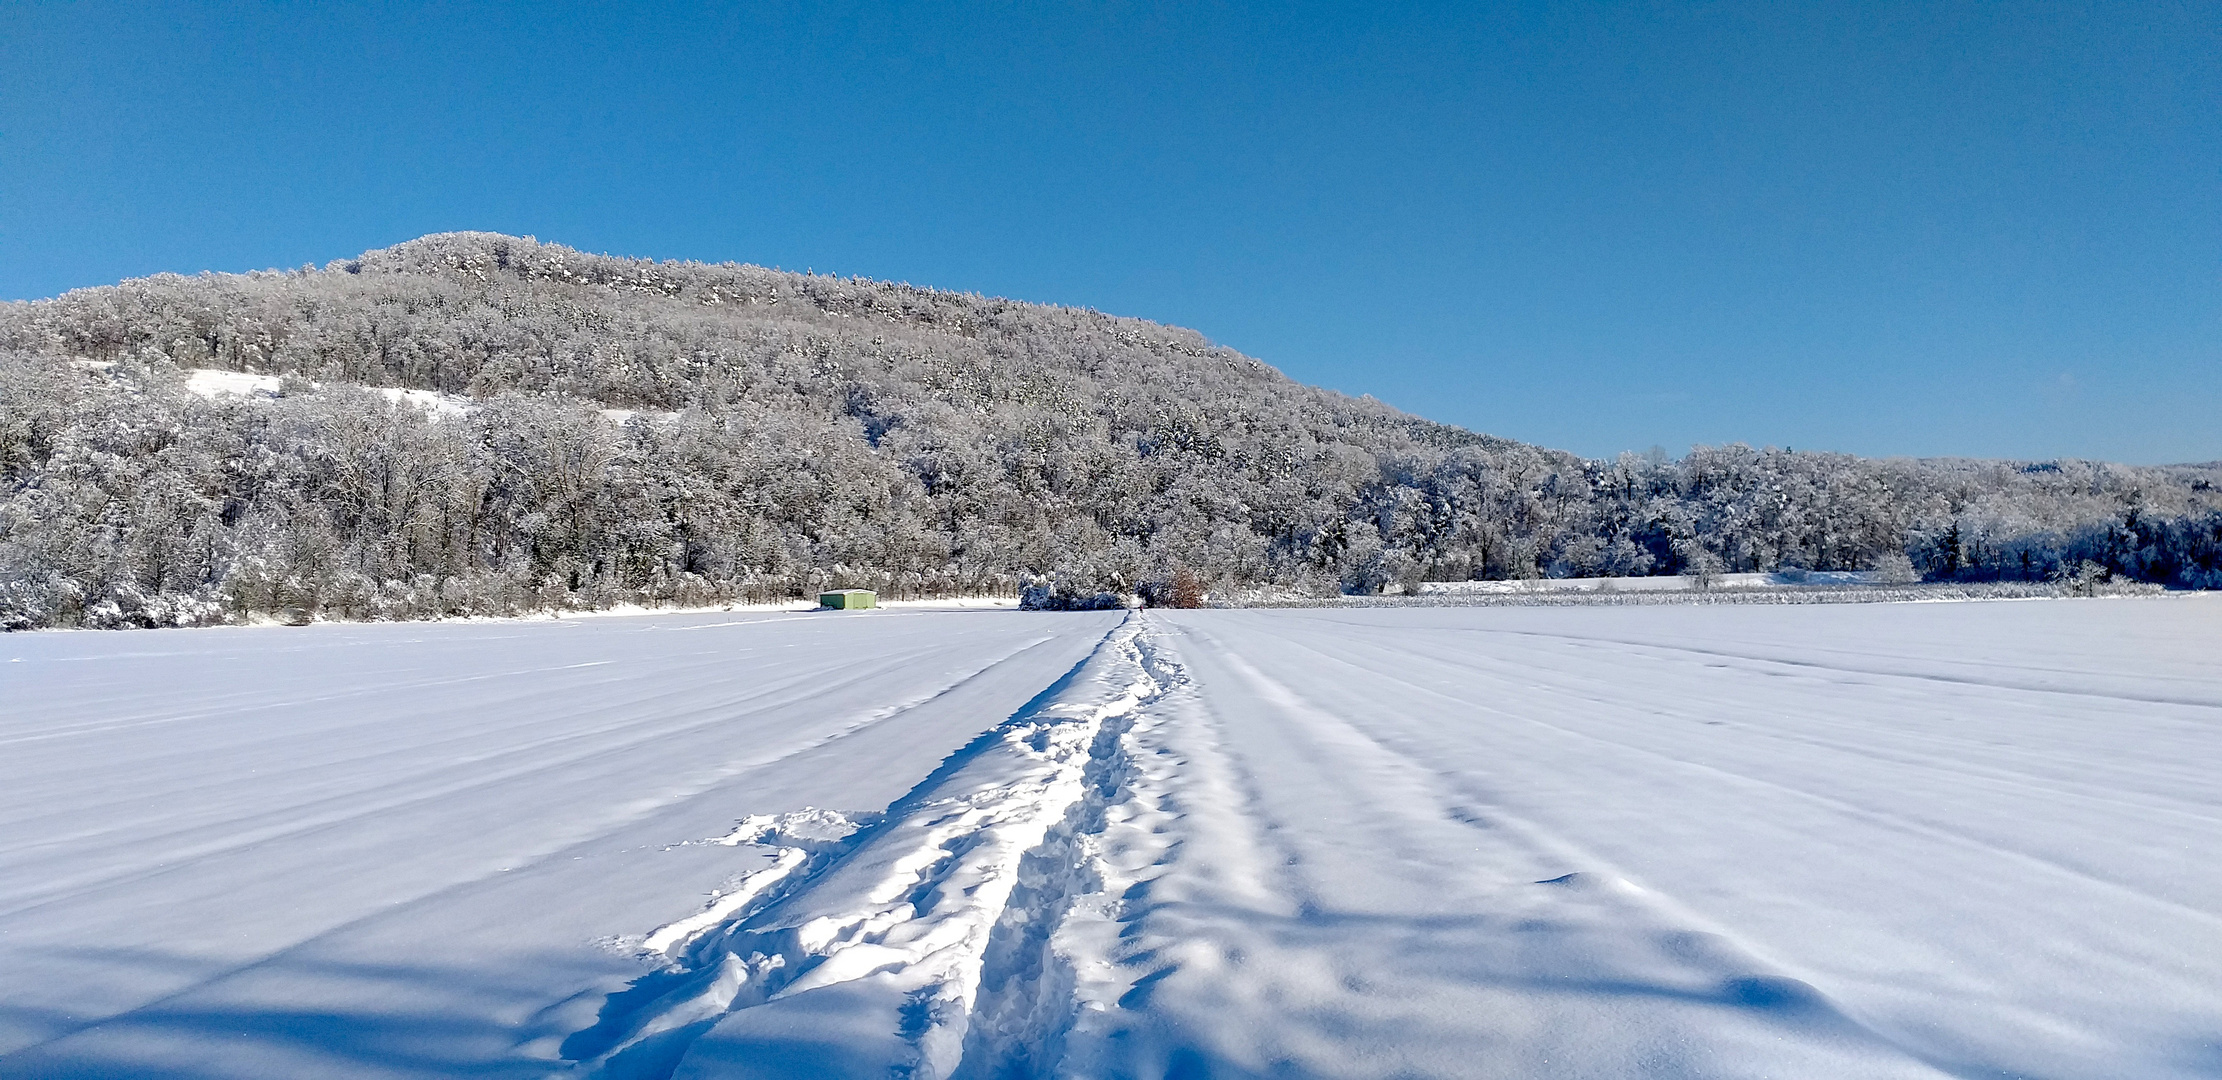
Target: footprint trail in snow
[
  {"x": 913, "y": 944},
  {"x": 1262, "y": 844}
]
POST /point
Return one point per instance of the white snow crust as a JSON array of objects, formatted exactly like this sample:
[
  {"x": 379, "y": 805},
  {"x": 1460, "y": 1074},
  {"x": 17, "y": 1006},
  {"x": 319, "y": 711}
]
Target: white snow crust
[
  {"x": 391, "y": 850},
  {"x": 217, "y": 382},
  {"x": 440, "y": 406},
  {"x": 1670, "y": 583},
  {"x": 1893, "y": 840},
  {"x": 211, "y": 382},
  {"x": 626, "y": 416}
]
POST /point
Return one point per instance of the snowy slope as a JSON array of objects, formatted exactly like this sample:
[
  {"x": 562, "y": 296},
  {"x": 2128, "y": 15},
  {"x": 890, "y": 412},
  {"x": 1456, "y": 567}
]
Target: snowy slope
[{"x": 1913, "y": 840}]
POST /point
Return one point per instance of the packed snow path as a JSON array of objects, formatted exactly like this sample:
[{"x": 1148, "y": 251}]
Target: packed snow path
[{"x": 1967, "y": 840}]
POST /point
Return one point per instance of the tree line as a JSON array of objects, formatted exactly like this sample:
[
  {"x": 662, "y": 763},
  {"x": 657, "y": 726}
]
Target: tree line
[{"x": 784, "y": 433}]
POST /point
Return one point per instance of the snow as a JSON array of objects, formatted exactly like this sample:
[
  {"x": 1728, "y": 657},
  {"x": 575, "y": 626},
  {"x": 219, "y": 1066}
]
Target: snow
[
  {"x": 621, "y": 417},
  {"x": 899, "y": 929},
  {"x": 1659, "y": 583},
  {"x": 1917, "y": 840},
  {"x": 389, "y": 850},
  {"x": 214, "y": 382},
  {"x": 1881, "y": 840},
  {"x": 211, "y": 382},
  {"x": 441, "y": 406}
]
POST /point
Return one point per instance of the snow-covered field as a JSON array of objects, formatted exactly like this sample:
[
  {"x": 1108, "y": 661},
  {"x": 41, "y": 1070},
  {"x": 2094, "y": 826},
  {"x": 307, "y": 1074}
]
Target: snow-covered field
[{"x": 1964, "y": 840}]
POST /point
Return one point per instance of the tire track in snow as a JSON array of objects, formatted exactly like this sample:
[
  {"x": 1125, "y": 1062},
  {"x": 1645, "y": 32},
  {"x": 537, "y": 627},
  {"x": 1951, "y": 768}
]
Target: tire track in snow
[
  {"x": 514, "y": 765},
  {"x": 926, "y": 934},
  {"x": 232, "y": 704},
  {"x": 1897, "y": 822},
  {"x": 1989, "y": 683},
  {"x": 1745, "y": 978},
  {"x": 864, "y": 721},
  {"x": 1948, "y": 758}
]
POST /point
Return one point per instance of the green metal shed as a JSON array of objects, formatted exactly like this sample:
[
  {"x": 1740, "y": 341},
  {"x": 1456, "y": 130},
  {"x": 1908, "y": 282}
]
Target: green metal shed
[{"x": 851, "y": 599}]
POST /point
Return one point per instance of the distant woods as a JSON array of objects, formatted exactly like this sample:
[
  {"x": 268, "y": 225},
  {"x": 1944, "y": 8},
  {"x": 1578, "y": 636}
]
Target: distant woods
[{"x": 625, "y": 431}]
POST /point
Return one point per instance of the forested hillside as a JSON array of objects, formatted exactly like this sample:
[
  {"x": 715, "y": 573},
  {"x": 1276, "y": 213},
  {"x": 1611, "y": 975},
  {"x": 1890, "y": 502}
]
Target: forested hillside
[{"x": 593, "y": 430}]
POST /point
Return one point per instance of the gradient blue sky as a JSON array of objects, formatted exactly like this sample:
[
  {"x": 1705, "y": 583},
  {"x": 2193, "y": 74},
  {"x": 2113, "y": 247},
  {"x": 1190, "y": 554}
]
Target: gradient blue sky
[{"x": 1990, "y": 229}]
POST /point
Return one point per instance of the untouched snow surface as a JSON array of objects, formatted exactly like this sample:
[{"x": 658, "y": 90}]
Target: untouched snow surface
[
  {"x": 1907, "y": 840},
  {"x": 211, "y": 382},
  {"x": 217, "y": 382}
]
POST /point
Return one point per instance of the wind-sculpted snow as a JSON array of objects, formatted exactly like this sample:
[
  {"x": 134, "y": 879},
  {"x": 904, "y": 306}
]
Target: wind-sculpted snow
[{"x": 1892, "y": 840}]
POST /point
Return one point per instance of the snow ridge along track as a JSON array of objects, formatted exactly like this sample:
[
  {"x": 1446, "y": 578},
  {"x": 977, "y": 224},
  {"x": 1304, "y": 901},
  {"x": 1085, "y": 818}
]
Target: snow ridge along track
[{"x": 915, "y": 944}]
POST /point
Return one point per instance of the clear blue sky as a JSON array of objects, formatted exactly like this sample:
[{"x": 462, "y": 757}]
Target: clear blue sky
[{"x": 1991, "y": 229}]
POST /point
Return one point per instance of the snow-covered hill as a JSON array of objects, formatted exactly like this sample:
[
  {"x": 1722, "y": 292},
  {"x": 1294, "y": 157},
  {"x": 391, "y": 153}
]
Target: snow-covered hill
[{"x": 487, "y": 425}]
